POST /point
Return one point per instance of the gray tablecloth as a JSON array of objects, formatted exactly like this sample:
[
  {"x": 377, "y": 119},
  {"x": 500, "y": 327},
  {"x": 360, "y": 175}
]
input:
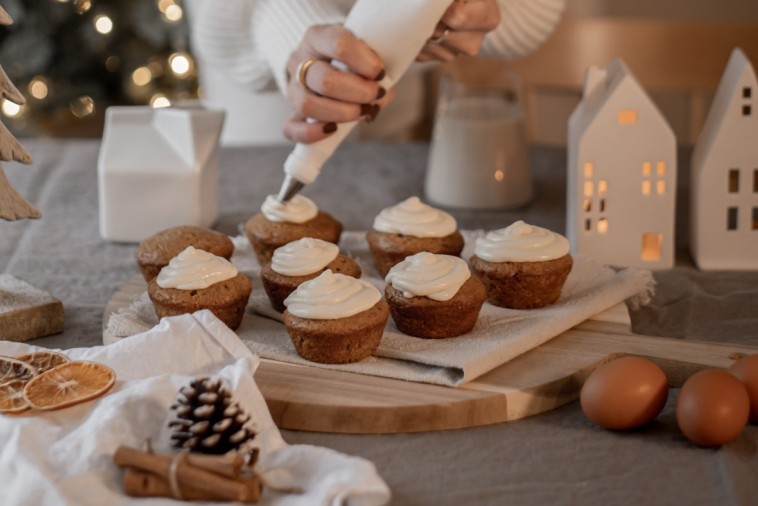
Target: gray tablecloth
[{"x": 554, "y": 458}]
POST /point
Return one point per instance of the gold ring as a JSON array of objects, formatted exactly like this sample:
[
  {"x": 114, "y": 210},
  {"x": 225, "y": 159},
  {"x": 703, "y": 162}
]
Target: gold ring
[{"x": 302, "y": 70}]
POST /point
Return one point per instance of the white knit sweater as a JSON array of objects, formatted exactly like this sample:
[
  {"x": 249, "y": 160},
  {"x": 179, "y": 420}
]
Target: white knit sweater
[{"x": 252, "y": 39}]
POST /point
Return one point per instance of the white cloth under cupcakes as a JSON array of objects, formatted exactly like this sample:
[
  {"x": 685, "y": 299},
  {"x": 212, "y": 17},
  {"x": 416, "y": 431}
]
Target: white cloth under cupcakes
[
  {"x": 500, "y": 334},
  {"x": 64, "y": 457}
]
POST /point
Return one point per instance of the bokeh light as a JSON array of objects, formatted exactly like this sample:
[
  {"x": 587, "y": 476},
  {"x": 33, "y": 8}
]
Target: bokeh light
[
  {"x": 142, "y": 76},
  {"x": 11, "y": 110},
  {"x": 180, "y": 63},
  {"x": 103, "y": 24},
  {"x": 159, "y": 100},
  {"x": 82, "y": 107},
  {"x": 38, "y": 88}
]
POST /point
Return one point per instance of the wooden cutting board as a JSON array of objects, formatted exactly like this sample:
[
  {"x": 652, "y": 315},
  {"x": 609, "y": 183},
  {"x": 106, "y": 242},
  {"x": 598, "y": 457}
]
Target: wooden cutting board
[{"x": 312, "y": 399}]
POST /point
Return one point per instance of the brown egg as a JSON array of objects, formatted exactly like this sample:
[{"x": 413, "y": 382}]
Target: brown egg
[
  {"x": 746, "y": 370},
  {"x": 712, "y": 408},
  {"x": 624, "y": 393}
]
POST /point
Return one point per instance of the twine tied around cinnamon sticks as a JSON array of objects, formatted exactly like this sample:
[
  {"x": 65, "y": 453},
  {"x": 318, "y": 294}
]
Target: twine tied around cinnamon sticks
[{"x": 189, "y": 476}]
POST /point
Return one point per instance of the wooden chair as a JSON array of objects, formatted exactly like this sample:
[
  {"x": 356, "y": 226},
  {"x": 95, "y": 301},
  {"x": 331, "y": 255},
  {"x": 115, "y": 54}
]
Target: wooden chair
[{"x": 668, "y": 58}]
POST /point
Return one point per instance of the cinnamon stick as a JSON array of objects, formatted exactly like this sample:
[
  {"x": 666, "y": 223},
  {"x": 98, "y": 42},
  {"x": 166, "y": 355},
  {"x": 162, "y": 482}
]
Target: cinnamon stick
[
  {"x": 221, "y": 487},
  {"x": 139, "y": 483},
  {"x": 228, "y": 465}
]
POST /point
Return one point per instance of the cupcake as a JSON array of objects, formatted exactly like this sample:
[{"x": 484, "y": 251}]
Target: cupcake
[
  {"x": 411, "y": 227},
  {"x": 434, "y": 296},
  {"x": 195, "y": 280},
  {"x": 154, "y": 253},
  {"x": 300, "y": 261},
  {"x": 522, "y": 266},
  {"x": 280, "y": 223},
  {"x": 335, "y": 319}
]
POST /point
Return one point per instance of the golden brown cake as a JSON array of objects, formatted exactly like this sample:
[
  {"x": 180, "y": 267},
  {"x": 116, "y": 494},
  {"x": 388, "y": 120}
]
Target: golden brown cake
[
  {"x": 196, "y": 280},
  {"x": 434, "y": 296},
  {"x": 327, "y": 325},
  {"x": 155, "y": 252},
  {"x": 522, "y": 266},
  {"x": 279, "y": 285},
  {"x": 411, "y": 227},
  {"x": 278, "y": 224}
]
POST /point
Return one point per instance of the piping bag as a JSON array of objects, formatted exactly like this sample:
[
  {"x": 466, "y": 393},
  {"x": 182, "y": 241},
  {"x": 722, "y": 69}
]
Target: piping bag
[{"x": 396, "y": 30}]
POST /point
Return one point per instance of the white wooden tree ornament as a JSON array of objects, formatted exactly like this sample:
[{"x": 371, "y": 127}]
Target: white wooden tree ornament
[
  {"x": 724, "y": 174},
  {"x": 621, "y": 173},
  {"x": 25, "y": 312}
]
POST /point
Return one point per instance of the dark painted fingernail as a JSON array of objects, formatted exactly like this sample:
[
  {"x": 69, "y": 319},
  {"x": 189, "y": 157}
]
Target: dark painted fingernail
[
  {"x": 330, "y": 128},
  {"x": 380, "y": 75},
  {"x": 374, "y": 112},
  {"x": 366, "y": 109},
  {"x": 380, "y": 93}
]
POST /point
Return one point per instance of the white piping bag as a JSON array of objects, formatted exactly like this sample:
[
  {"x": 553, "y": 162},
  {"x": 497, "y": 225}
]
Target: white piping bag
[{"x": 396, "y": 30}]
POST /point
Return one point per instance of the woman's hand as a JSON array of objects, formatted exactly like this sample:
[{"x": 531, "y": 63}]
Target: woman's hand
[
  {"x": 326, "y": 95},
  {"x": 461, "y": 30}
]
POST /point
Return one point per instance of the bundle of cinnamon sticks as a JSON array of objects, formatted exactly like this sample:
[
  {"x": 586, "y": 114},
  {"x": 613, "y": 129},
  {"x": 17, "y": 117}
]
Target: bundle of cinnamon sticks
[{"x": 188, "y": 476}]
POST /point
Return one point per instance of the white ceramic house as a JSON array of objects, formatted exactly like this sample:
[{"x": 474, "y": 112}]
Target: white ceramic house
[
  {"x": 724, "y": 188},
  {"x": 157, "y": 168},
  {"x": 621, "y": 173}
]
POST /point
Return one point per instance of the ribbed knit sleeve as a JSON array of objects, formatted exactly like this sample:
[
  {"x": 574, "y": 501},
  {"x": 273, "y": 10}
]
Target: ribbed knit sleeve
[
  {"x": 251, "y": 40},
  {"x": 279, "y": 25},
  {"x": 524, "y": 26}
]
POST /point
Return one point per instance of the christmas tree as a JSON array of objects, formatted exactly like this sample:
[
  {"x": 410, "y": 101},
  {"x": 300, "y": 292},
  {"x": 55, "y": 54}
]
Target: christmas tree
[
  {"x": 12, "y": 205},
  {"x": 74, "y": 58}
]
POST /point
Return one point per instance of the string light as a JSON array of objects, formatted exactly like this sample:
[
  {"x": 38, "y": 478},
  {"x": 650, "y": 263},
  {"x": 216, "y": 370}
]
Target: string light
[
  {"x": 180, "y": 63},
  {"x": 159, "y": 100},
  {"x": 103, "y": 24},
  {"x": 11, "y": 110},
  {"x": 142, "y": 76},
  {"x": 82, "y": 107},
  {"x": 38, "y": 88},
  {"x": 163, "y": 5},
  {"x": 82, "y": 6},
  {"x": 173, "y": 13}
]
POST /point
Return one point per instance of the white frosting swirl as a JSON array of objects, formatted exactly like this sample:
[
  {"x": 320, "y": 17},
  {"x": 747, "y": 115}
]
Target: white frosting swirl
[
  {"x": 425, "y": 274},
  {"x": 331, "y": 296},
  {"x": 304, "y": 256},
  {"x": 298, "y": 210},
  {"x": 413, "y": 217},
  {"x": 521, "y": 243},
  {"x": 193, "y": 269}
]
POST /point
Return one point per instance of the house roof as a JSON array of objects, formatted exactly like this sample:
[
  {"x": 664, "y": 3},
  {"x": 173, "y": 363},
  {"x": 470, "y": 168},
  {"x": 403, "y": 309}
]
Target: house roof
[
  {"x": 159, "y": 140},
  {"x": 737, "y": 68}
]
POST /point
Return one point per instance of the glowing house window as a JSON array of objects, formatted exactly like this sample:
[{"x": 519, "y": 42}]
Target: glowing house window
[
  {"x": 647, "y": 169},
  {"x": 660, "y": 168},
  {"x": 651, "y": 246},
  {"x": 731, "y": 218},
  {"x": 646, "y": 187},
  {"x": 602, "y": 225},
  {"x": 602, "y": 187},
  {"x": 589, "y": 169},
  {"x": 660, "y": 187},
  {"x": 734, "y": 180},
  {"x": 587, "y": 206},
  {"x": 588, "y": 188},
  {"x": 627, "y": 117}
]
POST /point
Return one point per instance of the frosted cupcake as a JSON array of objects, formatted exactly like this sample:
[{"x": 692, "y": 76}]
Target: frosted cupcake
[
  {"x": 335, "y": 319},
  {"x": 522, "y": 266},
  {"x": 434, "y": 296},
  {"x": 411, "y": 227},
  {"x": 195, "y": 280},
  {"x": 279, "y": 223},
  {"x": 155, "y": 252},
  {"x": 300, "y": 261}
]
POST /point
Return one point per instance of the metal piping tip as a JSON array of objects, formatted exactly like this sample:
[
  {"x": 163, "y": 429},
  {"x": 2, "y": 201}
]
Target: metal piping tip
[{"x": 290, "y": 188}]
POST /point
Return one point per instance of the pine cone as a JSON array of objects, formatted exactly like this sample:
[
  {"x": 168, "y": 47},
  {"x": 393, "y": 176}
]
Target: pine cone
[{"x": 208, "y": 420}]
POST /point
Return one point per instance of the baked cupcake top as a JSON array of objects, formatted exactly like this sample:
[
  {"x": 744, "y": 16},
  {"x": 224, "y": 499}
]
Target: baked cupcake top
[
  {"x": 297, "y": 210},
  {"x": 413, "y": 217},
  {"x": 521, "y": 242},
  {"x": 194, "y": 269},
  {"x": 331, "y": 296},
  {"x": 304, "y": 256},
  {"x": 438, "y": 277}
]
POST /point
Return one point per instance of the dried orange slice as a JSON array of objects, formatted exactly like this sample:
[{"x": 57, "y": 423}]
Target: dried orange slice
[
  {"x": 13, "y": 369},
  {"x": 12, "y": 398},
  {"x": 69, "y": 384},
  {"x": 43, "y": 360}
]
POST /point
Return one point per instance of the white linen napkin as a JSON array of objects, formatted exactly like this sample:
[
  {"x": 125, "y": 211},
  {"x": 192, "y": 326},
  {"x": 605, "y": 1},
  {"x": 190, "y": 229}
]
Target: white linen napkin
[
  {"x": 499, "y": 335},
  {"x": 64, "y": 457}
]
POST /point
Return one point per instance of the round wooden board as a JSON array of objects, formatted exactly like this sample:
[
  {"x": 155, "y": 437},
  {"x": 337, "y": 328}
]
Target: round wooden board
[{"x": 313, "y": 399}]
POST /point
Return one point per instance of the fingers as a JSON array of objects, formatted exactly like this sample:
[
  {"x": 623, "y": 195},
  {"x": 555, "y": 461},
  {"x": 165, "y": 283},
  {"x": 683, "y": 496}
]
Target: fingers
[
  {"x": 297, "y": 129},
  {"x": 325, "y": 80},
  {"x": 483, "y": 15},
  {"x": 338, "y": 43}
]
